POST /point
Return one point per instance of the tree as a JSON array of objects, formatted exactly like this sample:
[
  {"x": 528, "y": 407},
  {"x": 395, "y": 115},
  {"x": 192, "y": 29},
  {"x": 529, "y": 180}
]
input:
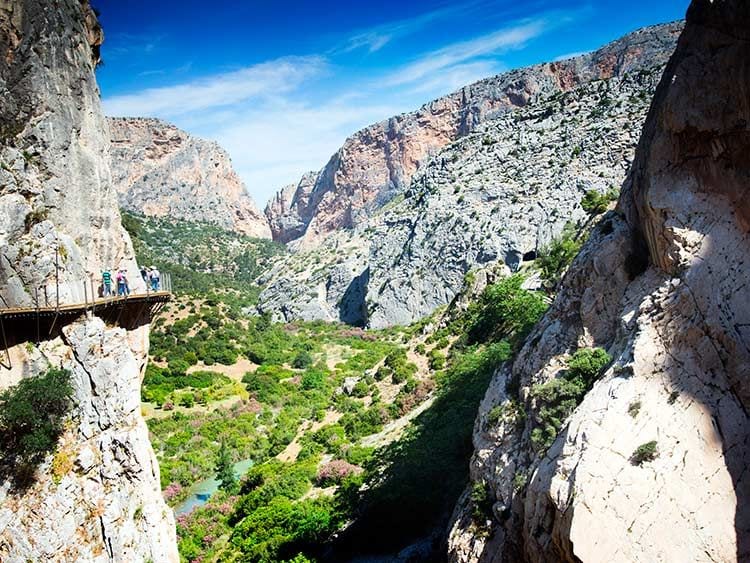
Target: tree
[
  {"x": 557, "y": 256},
  {"x": 32, "y": 414},
  {"x": 225, "y": 469}
]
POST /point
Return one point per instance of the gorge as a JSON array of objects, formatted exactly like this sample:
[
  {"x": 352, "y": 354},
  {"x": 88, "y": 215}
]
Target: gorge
[{"x": 511, "y": 325}]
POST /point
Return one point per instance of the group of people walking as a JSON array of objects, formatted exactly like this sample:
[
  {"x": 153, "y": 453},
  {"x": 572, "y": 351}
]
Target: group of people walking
[{"x": 151, "y": 276}]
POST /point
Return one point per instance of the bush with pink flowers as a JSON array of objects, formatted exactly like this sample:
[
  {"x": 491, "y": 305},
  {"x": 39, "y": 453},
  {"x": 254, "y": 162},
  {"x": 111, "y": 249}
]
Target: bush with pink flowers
[{"x": 332, "y": 473}]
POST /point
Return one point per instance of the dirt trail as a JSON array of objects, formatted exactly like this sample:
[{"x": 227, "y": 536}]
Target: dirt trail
[
  {"x": 236, "y": 371},
  {"x": 291, "y": 452},
  {"x": 393, "y": 430}
]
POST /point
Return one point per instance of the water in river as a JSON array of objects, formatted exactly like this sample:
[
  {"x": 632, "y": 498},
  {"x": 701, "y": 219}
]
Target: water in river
[{"x": 201, "y": 491}]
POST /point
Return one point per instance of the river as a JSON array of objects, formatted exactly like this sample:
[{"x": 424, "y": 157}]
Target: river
[{"x": 201, "y": 491}]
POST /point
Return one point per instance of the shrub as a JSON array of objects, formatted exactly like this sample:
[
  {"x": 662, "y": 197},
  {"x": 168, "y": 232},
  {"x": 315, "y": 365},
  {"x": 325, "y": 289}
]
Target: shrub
[
  {"x": 511, "y": 411},
  {"x": 556, "y": 399},
  {"x": 361, "y": 389},
  {"x": 225, "y": 469},
  {"x": 437, "y": 359},
  {"x": 303, "y": 360},
  {"x": 587, "y": 364},
  {"x": 519, "y": 480},
  {"x": 594, "y": 202},
  {"x": 495, "y": 415},
  {"x": 187, "y": 400},
  {"x": 554, "y": 258},
  {"x": 481, "y": 500},
  {"x": 333, "y": 472},
  {"x": 643, "y": 453},
  {"x": 634, "y": 408},
  {"x": 504, "y": 308},
  {"x": 32, "y": 413}
]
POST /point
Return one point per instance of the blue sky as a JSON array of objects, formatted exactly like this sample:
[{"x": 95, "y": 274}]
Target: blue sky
[{"x": 281, "y": 85}]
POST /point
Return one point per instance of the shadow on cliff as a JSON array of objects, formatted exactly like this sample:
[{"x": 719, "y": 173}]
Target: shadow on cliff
[
  {"x": 420, "y": 479},
  {"x": 353, "y": 307}
]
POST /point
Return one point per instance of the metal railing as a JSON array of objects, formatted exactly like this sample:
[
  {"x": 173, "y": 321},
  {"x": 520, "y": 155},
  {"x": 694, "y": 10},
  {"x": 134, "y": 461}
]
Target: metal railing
[{"x": 92, "y": 291}]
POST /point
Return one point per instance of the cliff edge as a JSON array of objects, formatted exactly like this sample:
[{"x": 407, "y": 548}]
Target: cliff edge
[
  {"x": 98, "y": 497},
  {"x": 651, "y": 465}
]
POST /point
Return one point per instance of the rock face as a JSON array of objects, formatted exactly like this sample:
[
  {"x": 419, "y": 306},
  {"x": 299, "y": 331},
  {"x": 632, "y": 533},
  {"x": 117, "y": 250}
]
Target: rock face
[
  {"x": 160, "y": 171},
  {"x": 102, "y": 500},
  {"x": 378, "y": 162},
  {"x": 661, "y": 285},
  {"x": 494, "y": 196},
  {"x": 288, "y": 206}
]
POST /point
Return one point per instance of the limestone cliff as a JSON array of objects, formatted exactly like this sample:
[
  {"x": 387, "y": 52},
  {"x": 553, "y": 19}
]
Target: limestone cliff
[
  {"x": 287, "y": 207},
  {"x": 378, "y": 162},
  {"x": 159, "y": 170},
  {"x": 662, "y": 285},
  {"x": 103, "y": 502},
  {"x": 492, "y": 197}
]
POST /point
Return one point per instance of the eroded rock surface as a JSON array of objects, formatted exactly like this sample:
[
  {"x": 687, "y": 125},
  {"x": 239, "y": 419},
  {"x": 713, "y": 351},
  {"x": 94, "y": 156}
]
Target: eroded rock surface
[
  {"x": 495, "y": 196},
  {"x": 161, "y": 171},
  {"x": 662, "y": 285},
  {"x": 378, "y": 162},
  {"x": 98, "y": 497}
]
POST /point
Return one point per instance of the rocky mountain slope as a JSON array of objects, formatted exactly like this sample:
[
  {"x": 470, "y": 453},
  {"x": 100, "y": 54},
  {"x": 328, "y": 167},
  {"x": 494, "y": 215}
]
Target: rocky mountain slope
[
  {"x": 161, "y": 171},
  {"x": 98, "y": 497},
  {"x": 378, "y": 162},
  {"x": 496, "y": 195},
  {"x": 659, "y": 442}
]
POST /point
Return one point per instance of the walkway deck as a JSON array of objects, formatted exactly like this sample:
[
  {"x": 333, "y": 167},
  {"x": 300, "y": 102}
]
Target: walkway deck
[{"x": 80, "y": 308}]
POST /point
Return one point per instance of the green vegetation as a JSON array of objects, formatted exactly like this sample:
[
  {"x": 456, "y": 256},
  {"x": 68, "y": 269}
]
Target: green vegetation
[
  {"x": 556, "y": 399},
  {"x": 319, "y": 460},
  {"x": 634, "y": 408},
  {"x": 643, "y": 453},
  {"x": 504, "y": 308},
  {"x": 32, "y": 414},
  {"x": 555, "y": 258},
  {"x": 294, "y": 395},
  {"x": 481, "y": 500},
  {"x": 595, "y": 202},
  {"x": 201, "y": 257},
  {"x": 225, "y": 469}
]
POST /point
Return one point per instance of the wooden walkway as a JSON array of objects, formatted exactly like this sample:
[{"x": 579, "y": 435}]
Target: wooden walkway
[{"x": 152, "y": 298}]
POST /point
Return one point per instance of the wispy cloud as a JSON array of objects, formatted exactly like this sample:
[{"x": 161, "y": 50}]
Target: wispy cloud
[
  {"x": 375, "y": 38},
  {"x": 454, "y": 77},
  {"x": 268, "y": 117},
  {"x": 267, "y": 79},
  {"x": 491, "y": 44},
  {"x": 128, "y": 44}
]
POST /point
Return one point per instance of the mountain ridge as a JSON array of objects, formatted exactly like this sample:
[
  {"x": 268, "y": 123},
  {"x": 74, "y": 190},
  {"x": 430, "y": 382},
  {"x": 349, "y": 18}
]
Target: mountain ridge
[
  {"x": 377, "y": 162},
  {"x": 492, "y": 196},
  {"x": 160, "y": 170}
]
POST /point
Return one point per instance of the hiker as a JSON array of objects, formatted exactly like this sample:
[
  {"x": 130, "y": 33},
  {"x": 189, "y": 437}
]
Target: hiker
[
  {"x": 122, "y": 284},
  {"x": 144, "y": 274},
  {"x": 154, "y": 275},
  {"x": 106, "y": 283}
]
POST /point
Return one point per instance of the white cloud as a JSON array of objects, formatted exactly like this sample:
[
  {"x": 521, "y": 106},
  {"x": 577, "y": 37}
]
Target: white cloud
[
  {"x": 454, "y": 77},
  {"x": 266, "y": 79},
  {"x": 492, "y": 44},
  {"x": 377, "y": 37},
  {"x": 274, "y": 144}
]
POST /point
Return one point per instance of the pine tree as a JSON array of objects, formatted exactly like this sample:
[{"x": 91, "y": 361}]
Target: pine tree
[{"x": 225, "y": 470}]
